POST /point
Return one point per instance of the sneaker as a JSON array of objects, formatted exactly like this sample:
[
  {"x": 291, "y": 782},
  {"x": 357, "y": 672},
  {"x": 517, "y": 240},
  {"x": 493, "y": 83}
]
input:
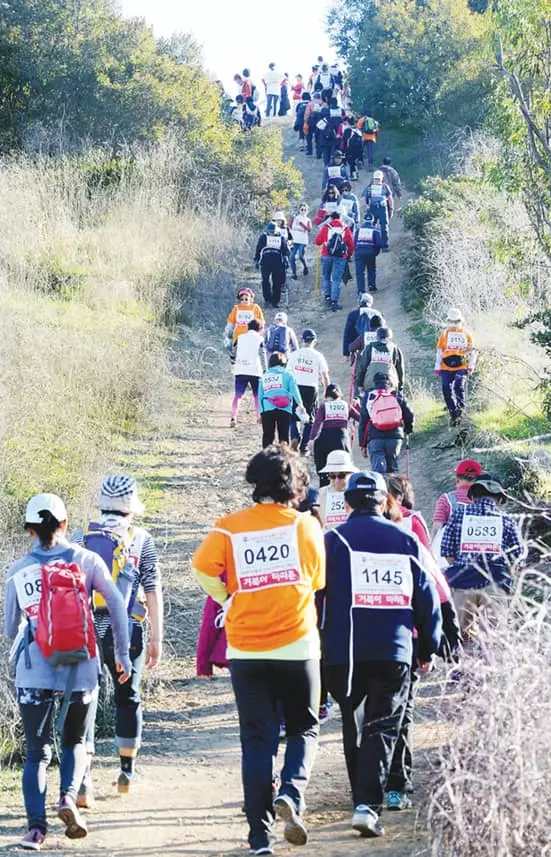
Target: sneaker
[
  {"x": 398, "y": 800},
  {"x": 325, "y": 711},
  {"x": 366, "y": 821},
  {"x": 85, "y": 797},
  {"x": 294, "y": 831},
  {"x": 294, "y": 277},
  {"x": 335, "y": 305},
  {"x": 327, "y": 299},
  {"x": 282, "y": 732},
  {"x": 75, "y": 826},
  {"x": 266, "y": 849},
  {"x": 306, "y": 271},
  {"x": 33, "y": 840},
  {"x": 233, "y": 422},
  {"x": 123, "y": 783}
]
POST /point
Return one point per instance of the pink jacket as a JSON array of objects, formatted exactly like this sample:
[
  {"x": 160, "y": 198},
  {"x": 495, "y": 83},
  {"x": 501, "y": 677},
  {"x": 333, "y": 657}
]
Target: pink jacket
[{"x": 212, "y": 644}]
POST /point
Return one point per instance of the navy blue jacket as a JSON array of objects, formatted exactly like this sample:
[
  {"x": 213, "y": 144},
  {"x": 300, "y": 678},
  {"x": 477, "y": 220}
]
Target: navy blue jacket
[
  {"x": 351, "y": 331},
  {"x": 379, "y": 634}
]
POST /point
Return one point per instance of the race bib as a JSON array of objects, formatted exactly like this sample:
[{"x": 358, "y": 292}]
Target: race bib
[
  {"x": 369, "y": 336},
  {"x": 305, "y": 372},
  {"x": 336, "y": 410},
  {"x": 381, "y": 357},
  {"x": 365, "y": 234},
  {"x": 381, "y": 581},
  {"x": 456, "y": 340},
  {"x": 28, "y": 585},
  {"x": 243, "y": 364},
  {"x": 330, "y": 207},
  {"x": 271, "y": 381},
  {"x": 267, "y": 558},
  {"x": 347, "y": 205},
  {"x": 335, "y": 512},
  {"x": 481, "y": 534},
  {"x": 273, "y": 242},
  {"x": 244, "y": 316},
  {"x": 334, "y": 173}
]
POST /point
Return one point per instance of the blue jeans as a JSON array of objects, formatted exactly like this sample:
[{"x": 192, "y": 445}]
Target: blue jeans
[
  {"x": 37, "y": 710},
  {"x": 332, "y": 270},
  {"x": 363, "y": 261},
  {"x": 128, "y": 706},
  {"x": 297, "y": 250},
  {"x": 263, "y": 689},
  {"x": 271, "y": 101},
  {"x": 453, "y": 389},
  {"x": 380, "y": 213},
  {"x": 383, "y": 453}
]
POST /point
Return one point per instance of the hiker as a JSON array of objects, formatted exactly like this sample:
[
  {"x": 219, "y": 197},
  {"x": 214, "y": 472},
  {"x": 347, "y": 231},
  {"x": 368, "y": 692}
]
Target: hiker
[
  {"x": 349, "y": 205},
  {"x": 212, "y": 643},
  {"x": 402, "y": 490},
  {"x": 330, "y": 429},
  {"x": 301, "y": 227},
  {"x": 277, "y": 392},
  {"x": 326, "y": 81},
  {"x": 299, "y": 125},
  {"x": 309, "y": 369},
  {"x": 250, "y": 364},
  {"x": 274, "y": 559},
  {"x": 337, "y": 246},
  {"x": 245, "y": 87},
  {"x": 328, "y": 206},
  {"x": 251, "y": 115},
  {"x": 238, "y": 320},
  {"x": 380, "y": 205},
  {"x": 381, "y": 356},
  {"x": 311, "y": 118},
  {"x": 353, "y": 143},
  {"x": 298, "y": 87},
  {"x": 466, "y": 471},
  {"x": 391, "y": 177},
  {"x": 455, "y": 359},
  {"x": 272, "y": 85},
  {"x": 368, "y": 243},
  {"x": 370, "y": 129},
  {"x": 335, "y": 174},
  {"x": 385, "y": 419},
  {"x": 281, "y": 223},
  {"x": 54, "y": 627},
  {"x": 357, "y": 321},
  {"x": 271, "y": 258},
  {"x": 284, "y": 103},
  {"x": 326, "y": 129},
  {"x": 280, "y": 337},
  {"x": 312, "y": 78},
  {"x": 483, "y": 547},
  {"x": 115, "y": 537},
  {"x": 376, "y": 321},
  {"x": 339, "y": 468},
  {"x": 376, "y": 594}
]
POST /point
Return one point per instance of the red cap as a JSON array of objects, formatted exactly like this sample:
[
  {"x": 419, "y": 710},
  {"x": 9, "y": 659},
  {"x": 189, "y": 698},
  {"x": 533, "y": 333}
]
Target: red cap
[{"x": 468, "y": 467}]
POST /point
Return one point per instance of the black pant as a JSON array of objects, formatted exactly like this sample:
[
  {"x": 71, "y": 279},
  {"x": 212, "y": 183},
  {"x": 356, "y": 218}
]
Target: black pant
[
  {"x": 400, "y": 777},
  {"x": 328, "y": 440},
  {"x": 309, "y": 397},
  {"x": 265, "y": 689},
  {"x": 271, "y": 419},
  {"x": 383, "y": 687},
  {"x": 273, "y": 277}
]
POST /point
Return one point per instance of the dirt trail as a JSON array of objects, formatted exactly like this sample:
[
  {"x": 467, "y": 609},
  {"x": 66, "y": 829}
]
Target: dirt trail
[{"x": 187, "y": 796}]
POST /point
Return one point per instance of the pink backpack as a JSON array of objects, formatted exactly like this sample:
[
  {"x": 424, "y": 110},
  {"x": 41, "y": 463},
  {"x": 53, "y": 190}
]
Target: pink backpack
[{"x": 386, "y": 413}]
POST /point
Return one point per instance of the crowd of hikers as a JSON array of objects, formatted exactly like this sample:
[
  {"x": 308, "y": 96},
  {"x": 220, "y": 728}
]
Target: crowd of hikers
[{"x": 335, "y": 593}]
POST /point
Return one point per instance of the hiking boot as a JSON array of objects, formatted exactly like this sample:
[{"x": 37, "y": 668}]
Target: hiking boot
[
  {"x": 233, "y": 422},
  {"x": 294, "y": 831},
  {"x": 306, "y": 271},
  {"x": 75, "y": 826},
  {"x": 123, "y": 783},
  {"x": 33, "y": 840},
  {"x": 398, "y": 800},
  {"x": 366, "y": 821}
]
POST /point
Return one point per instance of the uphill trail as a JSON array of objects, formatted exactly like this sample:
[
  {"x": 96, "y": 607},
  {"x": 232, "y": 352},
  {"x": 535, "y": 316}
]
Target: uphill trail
[{"x": 187, "y": 796}]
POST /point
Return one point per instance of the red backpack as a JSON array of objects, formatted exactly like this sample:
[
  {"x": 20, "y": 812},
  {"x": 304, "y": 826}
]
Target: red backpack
[
  {"x": 65, "y": 629},
  {"x": 386, "y": 413}
]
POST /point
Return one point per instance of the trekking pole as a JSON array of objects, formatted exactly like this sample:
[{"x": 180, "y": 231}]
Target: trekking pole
[
  {"x": 317, "y": 278},
  {"x": 408, "y": 457}
]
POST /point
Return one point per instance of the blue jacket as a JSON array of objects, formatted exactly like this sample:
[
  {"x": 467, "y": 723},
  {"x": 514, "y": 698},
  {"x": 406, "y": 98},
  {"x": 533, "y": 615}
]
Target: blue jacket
[
  {"x": 338, "y": 181},
  {"x": 379, "y": 633},
  {"x": 278, "y": 383},
  {"x": 367, "y": 240}
]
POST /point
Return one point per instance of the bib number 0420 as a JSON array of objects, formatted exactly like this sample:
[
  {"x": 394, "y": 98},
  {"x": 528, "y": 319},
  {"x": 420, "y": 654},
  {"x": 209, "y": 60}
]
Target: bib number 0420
[
  {"x": 271, "y": 553},
  {"x": 267, "y": 558}
]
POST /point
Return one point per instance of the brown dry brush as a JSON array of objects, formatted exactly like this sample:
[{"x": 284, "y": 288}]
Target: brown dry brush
[{"x": 492, "y": 792}]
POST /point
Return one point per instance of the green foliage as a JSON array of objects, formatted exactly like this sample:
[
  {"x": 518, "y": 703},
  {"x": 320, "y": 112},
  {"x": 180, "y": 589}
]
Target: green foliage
[
  {"x": 413, "y": 63},
  {"x": 540, "y": 333}
]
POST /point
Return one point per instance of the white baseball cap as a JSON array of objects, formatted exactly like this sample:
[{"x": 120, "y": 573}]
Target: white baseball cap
[
  {"x": 280, "y": 318},
  {"x": 339, "y": 461},
  {"x": 45, "y": 503},
  {"x": 454, "y": 314}
]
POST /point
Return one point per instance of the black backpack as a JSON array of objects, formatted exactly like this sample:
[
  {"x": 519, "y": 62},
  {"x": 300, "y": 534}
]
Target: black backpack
[
  {"x": 336, "y": 245},
  {"x": 278, "y": 339},
  {"x": 329, "y": 135},
  {"x": 300, "y": 111}
]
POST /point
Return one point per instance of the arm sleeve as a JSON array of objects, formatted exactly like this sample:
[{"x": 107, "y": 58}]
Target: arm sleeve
[
  {"x": 407, "y": 415},
  {"x": 150, "y": 577},
  {"x": 259, "y": 246},
  {"x": 318, "y": 420},
  {"x": 12, "y": 613},
  {"x": 347, "y": 335},
  {"x": 321, "y": 237},
  {"x": 427, "y": 615},
  {"x": 452, "y": 535},
  {"x": 399, "y": 363},
  {"x": 349, "y": 241},
  {"x": 293, "y": 389},
  {"x": 213, "y": 586}
]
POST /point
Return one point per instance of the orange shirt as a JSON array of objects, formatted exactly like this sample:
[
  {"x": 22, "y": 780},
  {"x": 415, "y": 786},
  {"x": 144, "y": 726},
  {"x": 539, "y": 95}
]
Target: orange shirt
[
  {"x": 367, "y": 135},
  {"x": 274, "y": 558},
  {"x": 241, "y": 315},
  {"x": 456, "y": 343}
]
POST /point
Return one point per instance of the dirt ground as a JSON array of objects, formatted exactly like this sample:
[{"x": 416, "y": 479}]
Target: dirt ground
[{"x": 187, "y": 795}]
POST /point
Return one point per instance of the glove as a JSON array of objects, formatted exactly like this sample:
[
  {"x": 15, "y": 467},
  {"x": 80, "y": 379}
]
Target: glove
[{"x": 227, "y": 342}]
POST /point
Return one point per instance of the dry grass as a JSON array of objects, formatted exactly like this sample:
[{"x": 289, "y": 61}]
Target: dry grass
[{"x": 493, "y": 789}]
